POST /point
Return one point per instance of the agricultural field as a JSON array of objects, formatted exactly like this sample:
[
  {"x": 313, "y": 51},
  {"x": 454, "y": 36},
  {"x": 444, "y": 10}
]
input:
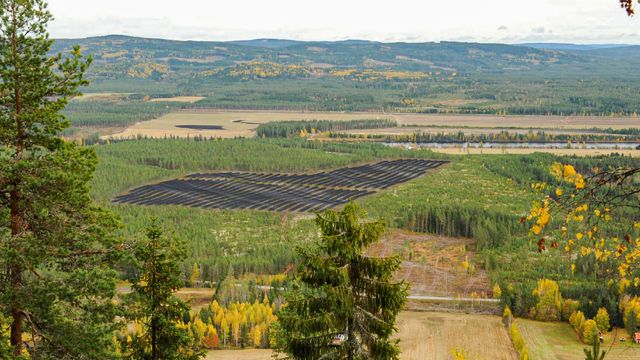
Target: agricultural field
[
  {"x": 409, "y": 130},
  {"x": 179, "y": 99},
  {"x": 279, "y": 192},
  {"x": 249, "y": 354},
  {"x": 519, "y": 121},
  {"x": 433, "y": 336},
  {"x": 558, "y": 341},
  {"x": 229, "y": 124},
  {"x": 430, "y": 336},
  {"x": 528, "y": 151}
]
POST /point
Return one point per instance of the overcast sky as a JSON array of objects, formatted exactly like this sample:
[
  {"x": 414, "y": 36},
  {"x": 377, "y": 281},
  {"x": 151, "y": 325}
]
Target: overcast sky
[{"x": 510, "y": 21}]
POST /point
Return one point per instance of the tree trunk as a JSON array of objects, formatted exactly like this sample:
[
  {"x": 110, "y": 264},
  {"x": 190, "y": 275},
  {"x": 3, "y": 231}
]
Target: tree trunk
[
  {"x": 350, "y": 339},
  {"x": 154, "y": 339},
  {"x": 15, "y": 274}
]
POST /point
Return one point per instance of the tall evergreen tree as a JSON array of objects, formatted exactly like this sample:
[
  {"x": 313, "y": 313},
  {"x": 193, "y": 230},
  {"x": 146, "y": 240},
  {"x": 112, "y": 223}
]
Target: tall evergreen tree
[
  {"x": 346, "y": 304},
  {"x": 153, "y": 304},
  {"x": 56, "y": 250}
]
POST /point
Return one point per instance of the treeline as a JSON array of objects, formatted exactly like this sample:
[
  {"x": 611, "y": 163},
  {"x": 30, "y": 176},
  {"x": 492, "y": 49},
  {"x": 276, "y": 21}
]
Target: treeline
[
  {"x": 236, "y": 242},
  {"x": 98, "y": 113},
  {"x": 127, "y": 163},
  {"x": 589, "y": 307},
  {"x": 502, "y": 136},
  {"x": 490, "y": 228},
  {"x": 240, "y": 315},
  {"x": 535, "y": 168},
  {"x": 283, "y": 129}
]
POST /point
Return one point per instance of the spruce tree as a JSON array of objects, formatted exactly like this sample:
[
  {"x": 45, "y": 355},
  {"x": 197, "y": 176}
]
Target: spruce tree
[
  {"x": 153, "y": 303},
  {"x": 56, "y": 251},
  {"x": 345, "y": 304}
]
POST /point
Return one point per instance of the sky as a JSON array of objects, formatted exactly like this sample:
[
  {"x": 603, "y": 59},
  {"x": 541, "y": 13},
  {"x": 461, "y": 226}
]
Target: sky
[{"x": 505, "y": 21}]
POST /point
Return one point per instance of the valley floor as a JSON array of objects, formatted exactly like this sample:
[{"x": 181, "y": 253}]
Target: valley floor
[
  {"x": 429, "y": 336},
  {"x": 558, "y": 341}
]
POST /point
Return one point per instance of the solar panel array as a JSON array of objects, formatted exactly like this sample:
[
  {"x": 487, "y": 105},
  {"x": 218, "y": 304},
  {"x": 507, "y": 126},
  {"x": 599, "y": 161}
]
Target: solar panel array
[{"x": 279, "y": 192}]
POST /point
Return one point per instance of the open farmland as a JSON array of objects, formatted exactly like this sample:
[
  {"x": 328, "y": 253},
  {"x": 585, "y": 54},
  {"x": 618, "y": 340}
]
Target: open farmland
[
  {"x": 527, "y": 151},
  {"x": 279, "y": 192},
  {"x": 519, "y": 121},
  {"x": 233, "y": 123},
  {"x": 244, "y": 123},
  {"x": 180, "y": 99},
  {"x": 409, "y": 130},
  {"x": 558, "y": 341},
  {"x": 432, "y": 336}
]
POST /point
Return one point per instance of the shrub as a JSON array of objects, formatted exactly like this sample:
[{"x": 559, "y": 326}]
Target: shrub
[
  {"x": 507, "y": 317},
  {"x": 577, "y": 320},
  {"x": 590, "y": 332},
  {"x": 549, "y": 301},
  {"x": 497, "y": 291},
  {"x": 631, "y": 314},
  {"x": 569, "y": 307},
  {"x": 602, "y": 320},
  {"x": 518, "y": 342}
]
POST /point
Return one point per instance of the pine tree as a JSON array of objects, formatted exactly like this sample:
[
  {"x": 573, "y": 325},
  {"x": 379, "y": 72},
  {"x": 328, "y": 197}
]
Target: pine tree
[
  {"x": 153, "y": 304},
  {"x": 345, "y": 304},
  {"x": 56, "y": 248}
]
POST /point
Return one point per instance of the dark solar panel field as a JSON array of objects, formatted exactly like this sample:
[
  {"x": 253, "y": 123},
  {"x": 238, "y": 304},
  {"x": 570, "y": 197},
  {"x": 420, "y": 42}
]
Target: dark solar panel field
[{"x": 279, "y": 192}]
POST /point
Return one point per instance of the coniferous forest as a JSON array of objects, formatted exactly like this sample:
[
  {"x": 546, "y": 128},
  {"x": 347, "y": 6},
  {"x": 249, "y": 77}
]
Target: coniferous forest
[{"x": 165, "y": 199}]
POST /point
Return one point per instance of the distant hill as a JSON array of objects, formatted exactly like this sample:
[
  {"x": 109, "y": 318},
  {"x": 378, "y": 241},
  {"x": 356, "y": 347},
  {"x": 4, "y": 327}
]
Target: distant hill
[
  {"x": 573, "y": 47},
  {"x": 266, "y": 43},
  {"x": 118, "y": 56}
]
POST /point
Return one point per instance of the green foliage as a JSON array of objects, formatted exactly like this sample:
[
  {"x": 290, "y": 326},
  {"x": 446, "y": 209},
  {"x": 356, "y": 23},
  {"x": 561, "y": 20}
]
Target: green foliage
[
  {"x": 577, "y": 320},
  {"x": 285, "y": 129},
  {"x": 503, "y": 136},
  {"x": 507, "y": 317},
  {"x": 490, "y": 228},
  {"x": 246, "y": 241},
  {"x": 631, "y": 314},
  {"x": 346, "y": 304},
  {"x": 489, "y": 78},
  {"x": 595, "y": 353},
  {"x": 129, "y": 163},
  {"x": 569, "y": 307},
  {"x": 117, "y": 113},
  {"x": 602, "y": 320},
  {"x": 590, "y": 332},
  {"x": 152, "y": 303},
  {"x": 549, "y": 301},
  {"x": 518, "y": 342},
  {"x": 56, "y": 247}
]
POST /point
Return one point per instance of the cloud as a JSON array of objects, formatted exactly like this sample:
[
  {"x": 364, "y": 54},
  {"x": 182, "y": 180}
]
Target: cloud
[{"x": 428, "y": 20}]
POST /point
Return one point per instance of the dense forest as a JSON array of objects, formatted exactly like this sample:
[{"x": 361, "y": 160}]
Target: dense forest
[{"x": 368, "y": 76}]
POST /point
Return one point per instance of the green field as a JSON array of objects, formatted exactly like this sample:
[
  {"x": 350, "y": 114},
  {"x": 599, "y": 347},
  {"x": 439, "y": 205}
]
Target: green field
[{"x": 558, "y": 341}]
